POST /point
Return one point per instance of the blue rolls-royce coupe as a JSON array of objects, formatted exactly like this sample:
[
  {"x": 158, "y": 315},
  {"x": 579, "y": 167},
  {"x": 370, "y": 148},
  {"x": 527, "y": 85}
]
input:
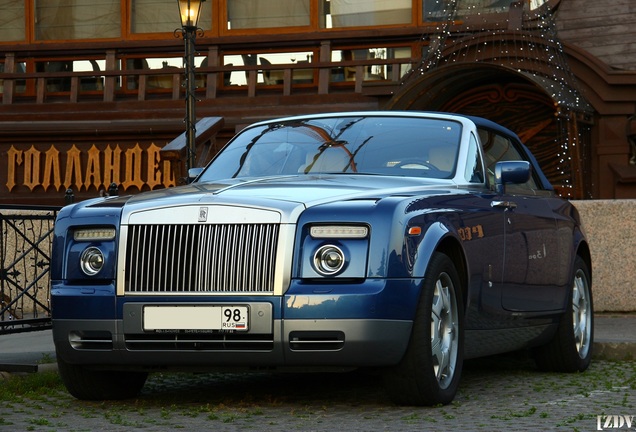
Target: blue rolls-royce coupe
[{"x": 403, "y": 241}]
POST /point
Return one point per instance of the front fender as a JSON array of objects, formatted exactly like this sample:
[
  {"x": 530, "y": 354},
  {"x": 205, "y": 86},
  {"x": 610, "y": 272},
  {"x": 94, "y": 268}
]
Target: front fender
[
  {"x": 443, "y": 238},
  {"x": 432, "y": 238}
]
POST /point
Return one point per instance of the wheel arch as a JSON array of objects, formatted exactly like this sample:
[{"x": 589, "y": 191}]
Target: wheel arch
[
  {"x": 583, "y": 250},
  {"x": 440, "y": 238},
  {"x": 451, "y": 247}
]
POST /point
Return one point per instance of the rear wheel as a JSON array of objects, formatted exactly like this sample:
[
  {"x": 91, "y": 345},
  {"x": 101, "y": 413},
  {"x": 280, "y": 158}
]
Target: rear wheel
[
  {"x": 430, "y": 370},
  {"x": 88, "y": 384},
  {"x": 571, "y": 348}
]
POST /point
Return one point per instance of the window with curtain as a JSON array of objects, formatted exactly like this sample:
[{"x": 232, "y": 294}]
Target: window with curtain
[
  {"x": 77, "y": 19},
  {"x": 371, "y": 72},
  {"x": 12, "y": 21},
  {"x": 358, "y": 13},
  {"x": 438, "y": 10},
  {"x": 162, "y": 16},
  {"x": 251, "y": 14},
  {"x": 435, "y": 10}
]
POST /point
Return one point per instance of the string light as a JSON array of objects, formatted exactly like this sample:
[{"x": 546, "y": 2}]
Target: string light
[{"x": 531, "y": 47}]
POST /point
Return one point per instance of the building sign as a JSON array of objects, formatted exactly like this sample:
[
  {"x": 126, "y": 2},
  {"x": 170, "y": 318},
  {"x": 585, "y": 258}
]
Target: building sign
[{"x": 36, "y": 170}]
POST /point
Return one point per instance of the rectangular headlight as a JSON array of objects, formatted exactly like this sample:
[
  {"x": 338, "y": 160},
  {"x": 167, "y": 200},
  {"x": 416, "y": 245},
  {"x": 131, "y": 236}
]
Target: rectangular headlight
[
  {"x": 339, "y": 231},
  {"x": 94, "y": 234}
]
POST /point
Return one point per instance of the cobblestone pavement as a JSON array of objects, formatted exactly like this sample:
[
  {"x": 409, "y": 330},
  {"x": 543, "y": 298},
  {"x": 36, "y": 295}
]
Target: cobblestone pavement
[{"x": 497, "y": 394}]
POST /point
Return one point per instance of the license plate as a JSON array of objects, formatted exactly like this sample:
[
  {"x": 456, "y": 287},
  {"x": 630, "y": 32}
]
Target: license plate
[{"x": 200, "y": 318}]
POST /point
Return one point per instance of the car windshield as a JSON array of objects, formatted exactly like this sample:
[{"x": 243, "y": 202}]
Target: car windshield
[{"x": 396, "y": 146}]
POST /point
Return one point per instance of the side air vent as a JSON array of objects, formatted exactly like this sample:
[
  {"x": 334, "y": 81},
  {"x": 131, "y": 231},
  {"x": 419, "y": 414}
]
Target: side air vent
[
  {"x": 91, "y": 340},
  {"x": 316, "y": 340}
]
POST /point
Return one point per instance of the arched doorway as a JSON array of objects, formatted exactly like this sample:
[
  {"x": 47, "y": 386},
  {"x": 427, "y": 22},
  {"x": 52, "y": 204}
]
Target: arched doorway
[{"x": 552, "y": 131}]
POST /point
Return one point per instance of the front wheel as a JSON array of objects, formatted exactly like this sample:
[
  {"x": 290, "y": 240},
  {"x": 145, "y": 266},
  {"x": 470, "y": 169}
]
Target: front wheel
[
  {"x": 430, "y": 370},
  {"x": 88, "y": 384},
  {"x": 571, "y": 348}
]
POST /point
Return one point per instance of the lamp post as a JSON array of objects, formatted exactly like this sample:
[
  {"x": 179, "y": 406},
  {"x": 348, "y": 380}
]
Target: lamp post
[{"x": 189, "y": 11}]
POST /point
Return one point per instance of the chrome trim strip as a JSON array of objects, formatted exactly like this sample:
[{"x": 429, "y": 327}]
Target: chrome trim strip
[
  {"x": 121, "y": 260},
  {"x": 284, "y": 258}
]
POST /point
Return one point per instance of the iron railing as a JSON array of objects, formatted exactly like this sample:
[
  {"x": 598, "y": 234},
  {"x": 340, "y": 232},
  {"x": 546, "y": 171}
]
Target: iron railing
[{"x": 25, "y": 258}]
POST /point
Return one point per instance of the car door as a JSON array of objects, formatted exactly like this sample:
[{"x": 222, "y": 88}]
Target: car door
[
  {"x": 482, "y": 231},
  {"x": 531, "y": 256},
  {"x": 531, "y": 245}
]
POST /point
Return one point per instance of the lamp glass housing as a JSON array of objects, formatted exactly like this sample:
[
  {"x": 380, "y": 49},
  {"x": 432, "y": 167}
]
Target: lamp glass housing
[{"x": 189, "y": 10}]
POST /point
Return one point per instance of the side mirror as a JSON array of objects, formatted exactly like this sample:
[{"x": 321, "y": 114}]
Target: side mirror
[
  {"x": 515, "y": 172},
  {"x": 193, "y": 173}
]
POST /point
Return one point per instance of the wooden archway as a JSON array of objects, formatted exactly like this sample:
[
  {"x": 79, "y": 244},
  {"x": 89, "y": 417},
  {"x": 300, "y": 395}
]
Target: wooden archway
[{"x": 514, "y": 100}]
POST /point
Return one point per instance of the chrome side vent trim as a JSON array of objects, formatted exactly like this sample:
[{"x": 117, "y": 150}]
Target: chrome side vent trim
[
  {"x": 316, "y": 340},
  {"x": 91, "y": 340}
]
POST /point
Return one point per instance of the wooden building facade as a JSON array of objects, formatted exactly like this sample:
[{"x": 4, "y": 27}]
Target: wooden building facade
[{"x": 92, "y": 91}]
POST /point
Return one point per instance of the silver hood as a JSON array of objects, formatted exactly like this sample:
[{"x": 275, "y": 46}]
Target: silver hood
[{"x": 277, "y": 199}]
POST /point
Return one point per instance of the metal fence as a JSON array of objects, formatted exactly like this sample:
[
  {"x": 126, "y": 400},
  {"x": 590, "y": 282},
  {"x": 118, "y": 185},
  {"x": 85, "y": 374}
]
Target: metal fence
[{"x": 25, "y": 257}]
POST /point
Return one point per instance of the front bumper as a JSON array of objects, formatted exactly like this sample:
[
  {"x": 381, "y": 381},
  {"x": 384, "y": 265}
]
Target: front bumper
[
  {"x": 366, "y": 324},
  {"x": 310, "y": 343}
]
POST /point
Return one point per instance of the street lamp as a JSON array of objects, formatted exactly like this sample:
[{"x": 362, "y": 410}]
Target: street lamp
[{"x": 189, "y": 11}]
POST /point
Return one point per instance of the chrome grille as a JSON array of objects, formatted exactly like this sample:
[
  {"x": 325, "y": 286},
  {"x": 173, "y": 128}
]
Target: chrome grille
[{"x": 237, "y": 258}]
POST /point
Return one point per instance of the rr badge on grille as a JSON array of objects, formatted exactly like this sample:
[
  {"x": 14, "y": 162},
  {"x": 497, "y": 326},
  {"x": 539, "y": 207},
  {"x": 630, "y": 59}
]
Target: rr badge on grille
[{"x": 203, "y": 214}]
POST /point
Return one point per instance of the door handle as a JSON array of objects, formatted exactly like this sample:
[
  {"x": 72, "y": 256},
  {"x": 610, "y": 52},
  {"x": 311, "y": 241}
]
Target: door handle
[{"x": 503, "y": 204}]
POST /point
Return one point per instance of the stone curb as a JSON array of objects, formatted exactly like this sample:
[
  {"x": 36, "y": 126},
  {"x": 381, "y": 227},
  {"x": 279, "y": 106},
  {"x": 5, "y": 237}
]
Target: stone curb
[{"x": 616, "y": 351}]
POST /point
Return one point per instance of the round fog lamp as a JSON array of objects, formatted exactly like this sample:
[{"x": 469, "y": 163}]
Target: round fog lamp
[
  {"x": 329, "y": 260},
  {"x": 92, "y": 261}
]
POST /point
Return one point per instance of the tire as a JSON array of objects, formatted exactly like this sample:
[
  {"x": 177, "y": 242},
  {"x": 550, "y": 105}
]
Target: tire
[
  {"x": 571, "y": 348},
  {"x": 430, "y": 370},
  {"x": 87, "y": 384}
]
